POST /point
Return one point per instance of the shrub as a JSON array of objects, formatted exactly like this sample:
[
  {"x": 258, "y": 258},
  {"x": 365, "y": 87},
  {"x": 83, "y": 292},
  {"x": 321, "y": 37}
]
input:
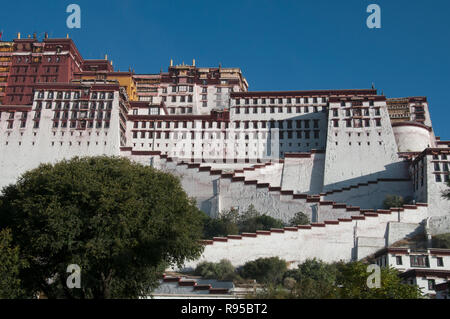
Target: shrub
[
  {"x": 251, "y": 220},
  {"x": 314, "y": 269},
  {"x": 393, "y": 201},
  {"x": 222, "y": 270},
  {"x": 218, "y": 228},
  {"x": 232, "y": 223},
  {"x": 265, "y": 270},
  {"x": 299, "y": 219}
]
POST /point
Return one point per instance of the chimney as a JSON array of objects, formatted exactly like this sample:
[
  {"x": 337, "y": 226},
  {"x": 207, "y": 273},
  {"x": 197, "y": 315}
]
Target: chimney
[
  {"x": 34, "y": 35},
  {"x": 106, "y": 57},
  {"x": 18, "y": 35},
  {"x": 171, "y": 62},
  {"x": 193, "y": 62},
  {"x": 46, "y": 35},
  {"x": 67, "y": 36}
]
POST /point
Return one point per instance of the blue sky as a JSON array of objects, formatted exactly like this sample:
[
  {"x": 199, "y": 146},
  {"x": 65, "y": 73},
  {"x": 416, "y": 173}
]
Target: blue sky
[{"x": 279, "y": 45}]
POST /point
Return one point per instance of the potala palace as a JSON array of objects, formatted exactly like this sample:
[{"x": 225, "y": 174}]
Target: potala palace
[{"x": 332, "y": 154}]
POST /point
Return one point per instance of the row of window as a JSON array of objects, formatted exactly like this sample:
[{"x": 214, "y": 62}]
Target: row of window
[
  {"x": 82, "y": 115},
  {"x": 76, "y": 95},
  {"x": 190, "y": 88},
  {"x": 280, "y": 109},
  {"x": 417, "y": 261},
  {"x": 439, "y": 178},
  {"x": 356, "y": 112},
  {"x": 443, "y": 157},
  {"x": 304, "y": 100},
  {"x": 437, "y": 167},
  {"x": 75, "y": 105},
  {"x": 181, "y": 99},
  {"x": 80, "y": 124},
  {"x": 219, "y": 135},
  {"x": 289, "y": 124},
  {"x": 23, "y": 70},
  {"x": 49, "y": 59},
  {"x": 61, "y": 143},
  {"x": 358, "y": 123},
  {"x": 158, "y": 145}
]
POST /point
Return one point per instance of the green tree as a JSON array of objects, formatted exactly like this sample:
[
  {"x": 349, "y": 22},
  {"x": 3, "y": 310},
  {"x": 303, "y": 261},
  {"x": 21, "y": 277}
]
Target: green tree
[
  {"x": 224, "y": 225},
  {"x": 393, "y": 201},
  {"x": 121, "y": 222},
  {"x": 352, "y": 280},
  {"x": 314, "y": 279},
  {"x": 299, "y": 219},
  {"x": 314, "y": 269},
  {"x": 10, "y": 265},
  {"x": 317, "y": 280},
  {"x": 222, "y": 270},
  {"x": 251, "y": 220},
  {"x": 264, "y": 270}
]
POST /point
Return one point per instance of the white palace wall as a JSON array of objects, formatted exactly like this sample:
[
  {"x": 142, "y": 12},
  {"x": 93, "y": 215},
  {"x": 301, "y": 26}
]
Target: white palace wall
[
  {"x": 303, "y": 173},
  {"x": 360, "y": 154},
  {"x": 329, "y": 241},
  {"x": 371, "y": 195},
  {"x": 25, "y": 149},
  {"x": 438, "y": 205}
]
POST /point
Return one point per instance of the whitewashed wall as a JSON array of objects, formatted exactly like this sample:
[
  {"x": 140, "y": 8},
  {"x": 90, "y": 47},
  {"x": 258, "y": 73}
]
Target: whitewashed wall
[
  {"x": 24, "y": 149},
  {"x": 331, "y": 242}
]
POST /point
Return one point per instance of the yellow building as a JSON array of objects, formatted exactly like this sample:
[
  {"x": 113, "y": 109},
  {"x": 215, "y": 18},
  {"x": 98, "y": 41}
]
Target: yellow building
[
  {"x": 6, "y": 52},
  {"x": 125, "y": 79}
]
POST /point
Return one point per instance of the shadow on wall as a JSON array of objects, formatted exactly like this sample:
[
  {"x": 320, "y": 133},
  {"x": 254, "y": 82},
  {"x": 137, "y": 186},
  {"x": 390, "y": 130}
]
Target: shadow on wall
[
  {"x": 317, "y": 176},
  {"x": 398, "y": 170},
  {"x": 406, "y": 235},
  {"x": 307, "y": 140}
]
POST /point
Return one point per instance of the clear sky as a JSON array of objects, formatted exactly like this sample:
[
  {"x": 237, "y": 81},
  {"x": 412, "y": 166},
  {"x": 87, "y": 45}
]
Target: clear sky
[{"x": 279, "y": 45}]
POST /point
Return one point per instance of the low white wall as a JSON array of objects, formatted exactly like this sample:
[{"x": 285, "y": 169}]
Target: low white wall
[
  {"x": 304, "y": 174},
  {"x": 372, "y": 196},
  {"x": 334, "y": 242},
  {"x": 437, "y": 225},
  {"x": 398, "y": 231}
]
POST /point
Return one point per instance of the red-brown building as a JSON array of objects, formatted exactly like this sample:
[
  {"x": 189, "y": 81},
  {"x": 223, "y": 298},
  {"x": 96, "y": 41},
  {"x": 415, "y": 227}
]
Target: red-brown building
[{"x": 47, "y": 61}]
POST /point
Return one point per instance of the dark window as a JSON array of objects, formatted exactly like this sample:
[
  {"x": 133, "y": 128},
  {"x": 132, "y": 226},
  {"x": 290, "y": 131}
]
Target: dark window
[
  {"x": 440, "y": 262},
  {"x": 431, "y": 284},
  {"x": 419, "y": 261},
  {"x": 399, "y": 260}
]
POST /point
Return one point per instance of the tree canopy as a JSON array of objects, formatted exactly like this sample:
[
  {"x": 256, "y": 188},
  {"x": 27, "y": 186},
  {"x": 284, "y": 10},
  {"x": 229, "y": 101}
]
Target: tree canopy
[
  {"x": 10, "y": 265},
  {"x": 121, "y": 222},
  {"x": 264, "y": 270},
  {"x": 315, "y": 279}
]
